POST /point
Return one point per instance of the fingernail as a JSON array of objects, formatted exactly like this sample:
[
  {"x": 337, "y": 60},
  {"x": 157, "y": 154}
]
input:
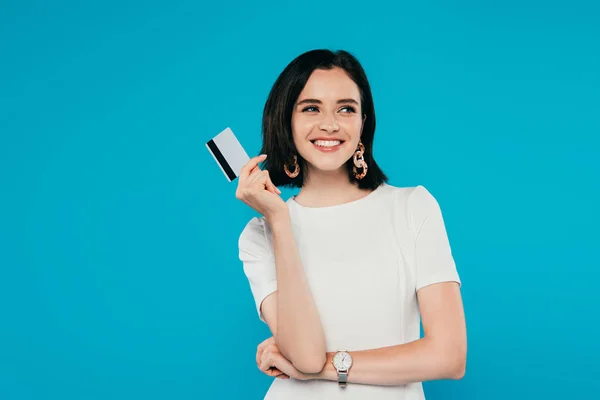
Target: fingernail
[
  {"x": 262, "y": 155},
  {"x": 278, "y": 191}
]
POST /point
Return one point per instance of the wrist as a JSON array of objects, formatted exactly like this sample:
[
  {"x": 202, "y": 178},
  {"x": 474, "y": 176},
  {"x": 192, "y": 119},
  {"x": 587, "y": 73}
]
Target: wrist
[{"x": 279, "y": 219}]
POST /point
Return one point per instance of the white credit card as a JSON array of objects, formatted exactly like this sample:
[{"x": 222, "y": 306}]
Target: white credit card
[{"x": 228, "y": 153}]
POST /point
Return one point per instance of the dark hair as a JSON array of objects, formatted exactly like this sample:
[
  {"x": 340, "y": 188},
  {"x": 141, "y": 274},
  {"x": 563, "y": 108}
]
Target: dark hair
[{"x": 278, "y": 142}]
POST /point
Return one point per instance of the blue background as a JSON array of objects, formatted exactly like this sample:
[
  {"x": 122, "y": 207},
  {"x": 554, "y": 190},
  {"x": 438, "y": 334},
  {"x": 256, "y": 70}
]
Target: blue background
[{"x": 118, "y": 232}]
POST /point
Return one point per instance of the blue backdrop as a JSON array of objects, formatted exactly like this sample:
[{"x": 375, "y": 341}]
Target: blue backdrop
[{"x": 118, "y": 232}]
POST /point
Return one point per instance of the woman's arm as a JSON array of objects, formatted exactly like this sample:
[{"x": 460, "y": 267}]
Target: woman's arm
[
  {"x": 291, "y": 312},
  {"x": 440, "y": 354}
]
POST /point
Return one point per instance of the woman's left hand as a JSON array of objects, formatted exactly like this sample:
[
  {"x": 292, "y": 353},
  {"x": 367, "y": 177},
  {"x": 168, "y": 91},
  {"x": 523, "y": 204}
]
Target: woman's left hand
[{"x": 273, "y": 363}]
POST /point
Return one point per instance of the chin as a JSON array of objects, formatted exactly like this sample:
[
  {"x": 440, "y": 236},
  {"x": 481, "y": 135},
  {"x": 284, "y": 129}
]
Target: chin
[
  {"x": 326, "y": 162},
  {"x": 327, "y": 167}
]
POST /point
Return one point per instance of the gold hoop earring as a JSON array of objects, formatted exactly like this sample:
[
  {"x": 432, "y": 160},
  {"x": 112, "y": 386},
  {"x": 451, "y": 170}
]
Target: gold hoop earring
[
  {"x": 359, "y": 162},
  {"x": 296, "y": 171}
]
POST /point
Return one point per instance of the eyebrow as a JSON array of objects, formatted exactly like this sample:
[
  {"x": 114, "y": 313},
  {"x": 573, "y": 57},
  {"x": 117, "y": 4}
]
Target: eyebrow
[{"x": 316, "y": 101}]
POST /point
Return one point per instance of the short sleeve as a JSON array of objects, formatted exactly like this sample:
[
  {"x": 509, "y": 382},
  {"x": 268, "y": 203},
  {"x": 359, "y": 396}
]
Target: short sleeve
[
  {"x": 433, "y": 255},
  {"x": 258, "y": 259}
]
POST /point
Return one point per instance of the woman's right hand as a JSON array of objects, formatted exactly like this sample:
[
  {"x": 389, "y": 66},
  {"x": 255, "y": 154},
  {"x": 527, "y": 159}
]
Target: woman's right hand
[
  {"x": 273, "y": 372},
  {"x": 256, "y": 189}
]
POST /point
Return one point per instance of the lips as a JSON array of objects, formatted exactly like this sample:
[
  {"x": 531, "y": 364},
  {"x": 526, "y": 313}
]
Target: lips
[
  {"x": 327, "y": 139},
  {"x": 328, "y": 149}
]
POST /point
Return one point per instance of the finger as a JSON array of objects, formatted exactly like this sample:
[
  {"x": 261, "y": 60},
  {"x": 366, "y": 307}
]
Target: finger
[
  {"x": 259, "y": 352},
  {"x": 264, "y": 365},
  {"x": 276, "y": 373},
  {"x": 260, "y": 348},
  {"x": 266, "y": 342},
  {"x": 262, "y": 361},
  {"x": 272, "y": 187},
  {"x": 262, "y": 176},
  {"x": 253, "y": 162},
  {"x": 266, "y": 361},
  {"x": 266, "y": 180},
  {"x": 257, "y": 168},
  {"x": 255, "y": 176},
  {"x": 273, "y": 372}
]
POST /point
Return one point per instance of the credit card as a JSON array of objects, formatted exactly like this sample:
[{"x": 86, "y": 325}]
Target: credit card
[{"x": 228, "y": 153}]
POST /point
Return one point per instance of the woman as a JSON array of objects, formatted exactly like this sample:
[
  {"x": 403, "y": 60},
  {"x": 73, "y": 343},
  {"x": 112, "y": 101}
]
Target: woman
[{"x": 343, "y": 272}]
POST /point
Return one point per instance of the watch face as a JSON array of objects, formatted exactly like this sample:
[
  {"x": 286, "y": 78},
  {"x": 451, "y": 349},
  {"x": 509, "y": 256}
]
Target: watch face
[{"x": 342, "y": 360}]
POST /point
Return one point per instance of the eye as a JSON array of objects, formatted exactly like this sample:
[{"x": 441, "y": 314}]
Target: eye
[
  {"x": 349, "y": 108},
  {"x": 310, "y": 109}
]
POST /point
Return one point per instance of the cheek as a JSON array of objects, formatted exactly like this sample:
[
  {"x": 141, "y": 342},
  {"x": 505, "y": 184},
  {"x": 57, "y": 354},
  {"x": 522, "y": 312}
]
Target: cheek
[
  {"x": 351, "y": 125},
  {"x": 302, "y": 126},
  {"x": 304, "y": 122}
]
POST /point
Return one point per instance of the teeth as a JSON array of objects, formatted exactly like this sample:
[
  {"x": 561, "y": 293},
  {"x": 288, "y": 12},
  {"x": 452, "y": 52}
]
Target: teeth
[{"x": 327, "y": 143}]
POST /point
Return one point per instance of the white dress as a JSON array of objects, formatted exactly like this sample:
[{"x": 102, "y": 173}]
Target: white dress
[{"x": 364, "y": 262}]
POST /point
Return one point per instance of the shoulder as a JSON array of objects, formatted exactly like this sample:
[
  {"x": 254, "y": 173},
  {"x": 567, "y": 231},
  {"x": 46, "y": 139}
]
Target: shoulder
[
  {"x": 415, "y": 195},
  {"x": 416, "y": 201}
]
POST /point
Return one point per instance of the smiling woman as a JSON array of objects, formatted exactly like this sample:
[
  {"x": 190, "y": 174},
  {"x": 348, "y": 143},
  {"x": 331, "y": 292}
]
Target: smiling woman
[
  {"x": 322, "y": 96},
  {"x": 343, "y": 272},
  {"x": 310, "y": 110}
]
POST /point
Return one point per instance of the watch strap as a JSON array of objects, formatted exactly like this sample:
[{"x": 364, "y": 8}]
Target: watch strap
[{"x": 342, "y": 378}]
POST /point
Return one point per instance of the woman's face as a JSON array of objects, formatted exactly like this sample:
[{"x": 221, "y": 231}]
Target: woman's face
[{"x": 327, "y": 119}]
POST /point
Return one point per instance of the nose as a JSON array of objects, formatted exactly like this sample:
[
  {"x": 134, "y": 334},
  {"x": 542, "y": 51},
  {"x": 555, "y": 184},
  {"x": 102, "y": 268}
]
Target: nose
[{"x": 329, "y": 125}]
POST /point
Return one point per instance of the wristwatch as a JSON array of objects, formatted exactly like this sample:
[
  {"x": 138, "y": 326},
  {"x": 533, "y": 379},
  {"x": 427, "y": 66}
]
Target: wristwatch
[{"x": 342, "y": 361}]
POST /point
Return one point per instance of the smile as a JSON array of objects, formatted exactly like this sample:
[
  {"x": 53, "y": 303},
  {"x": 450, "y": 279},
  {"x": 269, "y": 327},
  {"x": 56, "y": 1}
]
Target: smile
[{"x": 327, "y": 145}]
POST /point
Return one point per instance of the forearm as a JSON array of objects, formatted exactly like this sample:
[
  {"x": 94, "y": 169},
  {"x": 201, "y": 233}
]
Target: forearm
[
  {"x": 417, "y": 361},
  {"x": 300, "y": 336}
]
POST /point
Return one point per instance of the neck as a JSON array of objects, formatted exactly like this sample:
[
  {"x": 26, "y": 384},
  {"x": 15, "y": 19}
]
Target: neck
[{"x": 329, "y": 188}]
